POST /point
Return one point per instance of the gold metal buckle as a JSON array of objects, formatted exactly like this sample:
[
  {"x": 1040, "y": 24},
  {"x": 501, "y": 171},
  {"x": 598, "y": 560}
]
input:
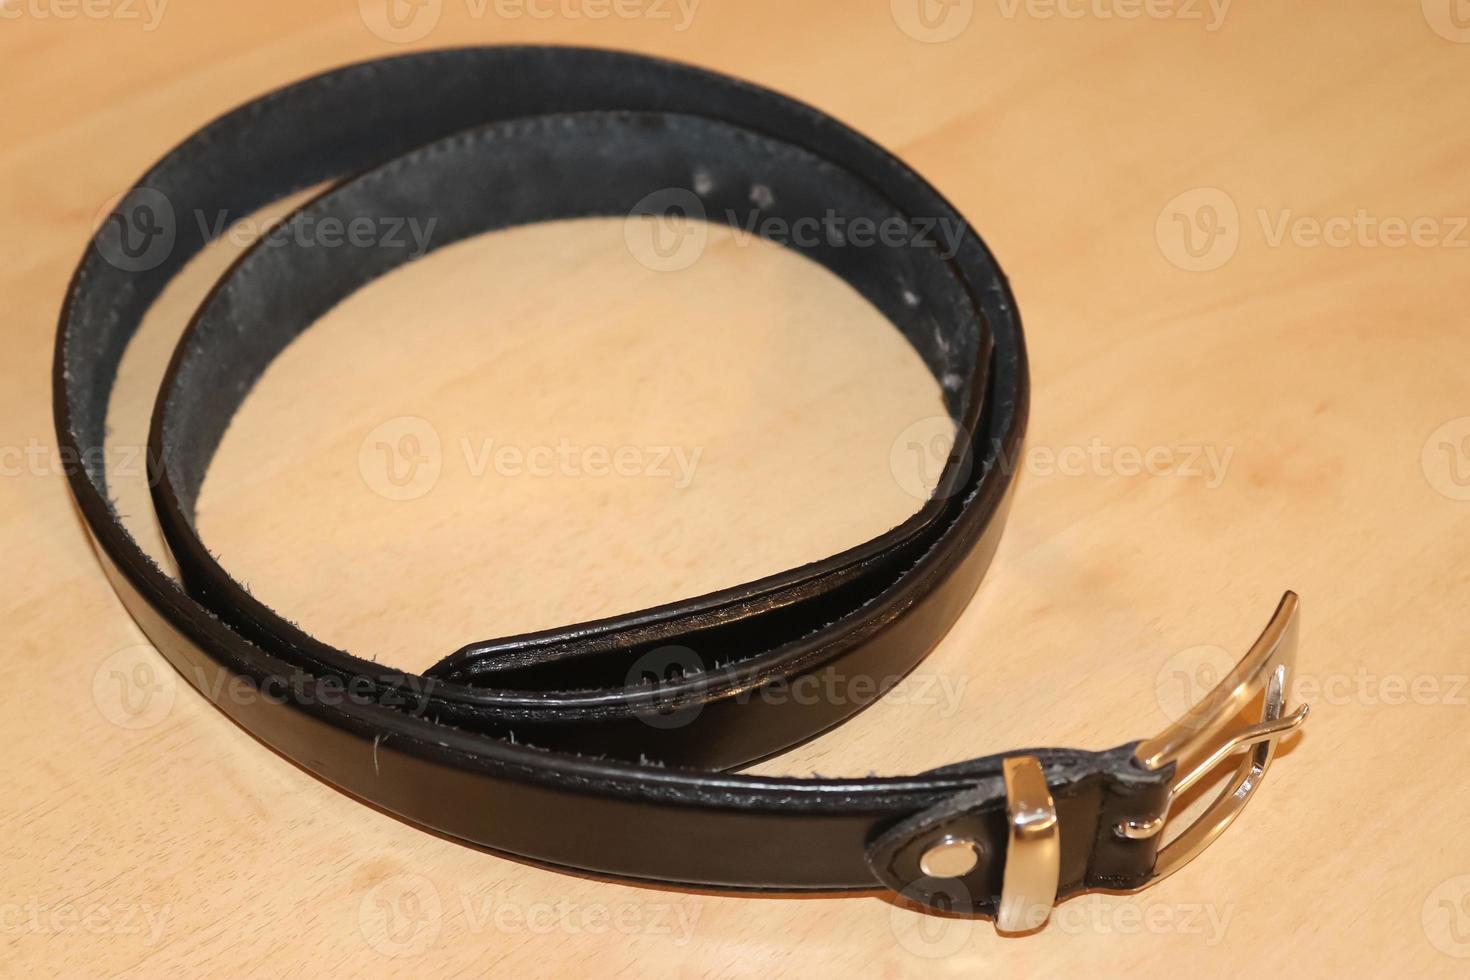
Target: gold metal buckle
[
  {"x": 1030, "y": 880},
  {"x": 1267, "y": 667}
]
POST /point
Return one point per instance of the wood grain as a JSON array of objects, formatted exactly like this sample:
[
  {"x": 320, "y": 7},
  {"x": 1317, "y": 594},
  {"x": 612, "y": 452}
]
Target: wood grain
[{"x": 1278, "y": 400}]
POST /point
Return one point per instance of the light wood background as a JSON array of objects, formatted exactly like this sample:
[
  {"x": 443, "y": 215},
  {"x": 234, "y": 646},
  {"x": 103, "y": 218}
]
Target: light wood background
[{"x": 1305, "y": 403}]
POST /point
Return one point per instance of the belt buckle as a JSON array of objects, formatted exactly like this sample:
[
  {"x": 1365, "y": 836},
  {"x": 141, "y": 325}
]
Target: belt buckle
[{"x": 1030, "y": 884}]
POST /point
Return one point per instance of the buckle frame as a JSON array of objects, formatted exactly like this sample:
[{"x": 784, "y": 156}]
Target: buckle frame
[
  {"x": 1267, "y": 669},
  {"x": 1032, "y": 858}
]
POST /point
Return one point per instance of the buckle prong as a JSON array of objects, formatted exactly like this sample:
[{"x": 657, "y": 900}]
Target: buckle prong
[{"x": 1254, "y": 735}]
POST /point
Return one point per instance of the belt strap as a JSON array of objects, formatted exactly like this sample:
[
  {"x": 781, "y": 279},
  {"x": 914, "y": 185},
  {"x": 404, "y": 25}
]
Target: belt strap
[{"x": 551, "y": 745}]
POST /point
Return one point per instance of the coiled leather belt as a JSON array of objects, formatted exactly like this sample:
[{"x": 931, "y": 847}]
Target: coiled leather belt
[{"x": 547, "y": 745}]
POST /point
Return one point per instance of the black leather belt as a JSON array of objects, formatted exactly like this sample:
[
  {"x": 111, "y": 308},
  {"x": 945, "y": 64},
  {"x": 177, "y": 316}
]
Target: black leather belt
[{"x": 549, "y": 745}]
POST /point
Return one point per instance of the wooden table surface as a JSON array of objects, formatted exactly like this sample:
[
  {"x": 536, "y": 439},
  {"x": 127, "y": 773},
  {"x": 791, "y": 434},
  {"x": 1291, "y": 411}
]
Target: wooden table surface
[{"x": 1238, "y": 234}]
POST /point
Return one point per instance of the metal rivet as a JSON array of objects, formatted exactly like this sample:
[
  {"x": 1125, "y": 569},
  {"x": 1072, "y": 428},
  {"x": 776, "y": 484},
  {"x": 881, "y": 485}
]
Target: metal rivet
[
  {"x": 950, "y": 858},
  {"x": 1139, "y": 829}
]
